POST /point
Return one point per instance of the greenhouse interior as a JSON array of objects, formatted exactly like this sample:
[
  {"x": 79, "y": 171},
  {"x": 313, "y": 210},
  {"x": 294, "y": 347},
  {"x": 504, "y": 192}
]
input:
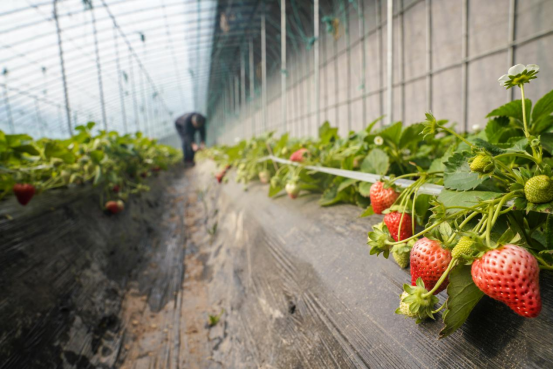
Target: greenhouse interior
[{"x": 276, "y": 184}]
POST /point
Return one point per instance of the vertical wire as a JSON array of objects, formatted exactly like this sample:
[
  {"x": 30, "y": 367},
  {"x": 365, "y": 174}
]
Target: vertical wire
[
  {"x": 39, "y": 117},
  {"x": 264, "y": 74},
  {"x": 251, "y": 82},
  {"x": 284, "y": 65},
  {"x": 464, "y": 62},
  {"x": 121, "y": 95},
  {"x": 402, "y": 67},
  {"x": 361, "y": 20},
  {"x": 99, "y": 68},
  {"x": 134, "y": 92},
  {"x": 348, "y": 67},
  {"x": 390, "y": 54},
  {"x": 316, "y": 62},
  {"x": 62, "y": 65},
  {"x": 511, "y": 38},
  {"x": 429, "y": 60},
  {"x": 380, "y": 36},
  {"x": 8, "y": 108},
  {"x": 243, "y": 92}
]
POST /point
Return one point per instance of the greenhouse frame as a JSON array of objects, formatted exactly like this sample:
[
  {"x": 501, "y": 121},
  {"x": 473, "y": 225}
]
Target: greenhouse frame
[{"x": 276, "y": 184}]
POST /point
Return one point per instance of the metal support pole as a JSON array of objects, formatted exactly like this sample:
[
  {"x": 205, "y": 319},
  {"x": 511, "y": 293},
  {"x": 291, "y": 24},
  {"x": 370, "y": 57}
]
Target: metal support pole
[
  {"x": 39, "y": 118},
  {"x": 99, "y": 69},
  {"x": 198, "y": 61},
  {"x": 464, "y": 62},
  {"x": 243, "y": 92},
  {"x": 237, "y": 96},
  {"x": 380, "y": 51},
  {"x": 390, "y": 54},
  {"x": 284, "y": 65},
  {"x": 8, "y": 108},
  {"x": 264, "y": 75},
  {"x": 121, "y": 95},
  {"x": 429, "y": 60},
  {"x": 401, "y": 57},
  {"x": 62, "y": 64},
  {"x": 348, "y": 68},
  {"x": 511, "y": 39},
  {"x": 133, "y": 91},
  {"x": 316, "y": 61},
  {"x": 251, "y": 81},
  {"x": 361, "y": 27}
]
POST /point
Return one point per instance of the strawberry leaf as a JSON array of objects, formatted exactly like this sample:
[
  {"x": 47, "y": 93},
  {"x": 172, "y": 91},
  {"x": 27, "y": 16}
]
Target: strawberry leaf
[
  {"x": 327, "y": 134},
  {"x": 512, "y": 110},
  {"x": 546, "y": 140},
  {"x": 346, "y": 183},
  {"x": 463, "y": 295},
  {"x": 466, "y": 199},
  {"x": 548, "y": 232},
  {"x": 542, "y": 108},
  {"x": 364, "y": 188},
  {"x": 369, "y": 211},
  {"x": 458, "y": 176},
  {"x": 376, "y": 162},
  {"x": 392, "y": 133}
]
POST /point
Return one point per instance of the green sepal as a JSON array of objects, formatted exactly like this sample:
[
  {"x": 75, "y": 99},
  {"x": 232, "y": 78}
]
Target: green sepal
[{"x": 377, "y": 240}]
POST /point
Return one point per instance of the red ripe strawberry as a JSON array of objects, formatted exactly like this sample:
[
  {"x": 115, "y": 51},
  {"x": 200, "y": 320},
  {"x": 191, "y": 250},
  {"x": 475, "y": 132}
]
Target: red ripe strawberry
[
  {"x": 144, "y": 174},
  {"x": 113, "y": 207},
  {"x": 24, "y": 192},
  {"x": 381, "y": 198},
  {"x": 298, "y": 155},
  {"x": 115, "y": 188},
  {"x": 219, "y": 176},
  {"x": 510, "y": 274},
  {"x": 429, "y": 260},
  {"x": 156, "y": 169},
  {"x": 392, "y": 220}
]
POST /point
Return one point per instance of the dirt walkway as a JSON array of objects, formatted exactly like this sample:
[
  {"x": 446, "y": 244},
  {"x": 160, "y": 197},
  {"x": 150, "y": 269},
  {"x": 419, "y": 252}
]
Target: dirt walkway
[{"x": 175, "y": 334}]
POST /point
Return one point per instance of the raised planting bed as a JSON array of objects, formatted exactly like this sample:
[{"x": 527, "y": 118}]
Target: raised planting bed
[
  {"x": 292, "y": 283},
  {"x": 303, "y": 291},
  {"x": 67, "y": 266}
]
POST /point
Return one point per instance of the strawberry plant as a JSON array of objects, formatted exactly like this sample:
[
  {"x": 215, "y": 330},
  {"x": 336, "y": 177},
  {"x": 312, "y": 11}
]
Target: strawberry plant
[
  {"x": 494, "y": 207},
  {"x": 116, "y": 164}
]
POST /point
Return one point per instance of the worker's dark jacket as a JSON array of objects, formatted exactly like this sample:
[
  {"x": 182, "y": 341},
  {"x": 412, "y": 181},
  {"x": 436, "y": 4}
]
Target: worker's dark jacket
[{"x": 187, "y": 132}]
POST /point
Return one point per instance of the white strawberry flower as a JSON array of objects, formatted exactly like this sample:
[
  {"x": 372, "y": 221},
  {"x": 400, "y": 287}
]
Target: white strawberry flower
[
  {"x": 518, "y": 75},
  {"x": 378, "y": 140},
  {"x": 475, "y": 127}
]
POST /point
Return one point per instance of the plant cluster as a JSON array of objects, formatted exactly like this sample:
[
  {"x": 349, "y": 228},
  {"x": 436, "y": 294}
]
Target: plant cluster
[
  {"x": 117, "y": 164},
  {"x": 488, "y": 232}
]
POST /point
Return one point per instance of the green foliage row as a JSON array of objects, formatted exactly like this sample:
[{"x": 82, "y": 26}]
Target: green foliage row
[
  {"x": 497, "y": 187},
  {"x": 116, "y": 163}
]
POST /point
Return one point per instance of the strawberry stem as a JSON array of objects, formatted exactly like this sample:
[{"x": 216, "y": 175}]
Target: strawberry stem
[
  {"x": 489, "y": 225},
  {"x": 457, "y": 135},
  {"x": 444, "y": 275},
  {"x": 440, "y": 308},
  {"x": 526, "y": 130}
]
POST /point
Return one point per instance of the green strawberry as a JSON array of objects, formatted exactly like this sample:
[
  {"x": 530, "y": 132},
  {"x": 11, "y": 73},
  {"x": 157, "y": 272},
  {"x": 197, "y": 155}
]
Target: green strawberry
[
  {"x": 482, "y": 163},
  {"x": 464, "y": 247},
  {"x": 538, "y": 189},
  {"x": 404, "y": 308},
  {"x": 401, "y": 253},
  {"x": 402, "y": 259}
]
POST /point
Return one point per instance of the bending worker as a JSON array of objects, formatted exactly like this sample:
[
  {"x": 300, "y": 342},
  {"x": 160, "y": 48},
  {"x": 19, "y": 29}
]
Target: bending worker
[{"x": 187, "y": 125}]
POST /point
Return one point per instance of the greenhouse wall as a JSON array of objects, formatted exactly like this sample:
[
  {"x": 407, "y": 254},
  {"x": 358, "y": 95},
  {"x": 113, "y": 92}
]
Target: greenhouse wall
[{"x": 447, "y": 57}]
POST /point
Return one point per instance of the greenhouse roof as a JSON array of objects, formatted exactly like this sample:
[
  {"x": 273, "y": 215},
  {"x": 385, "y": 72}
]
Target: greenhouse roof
[{"x": 129, "y": 65}]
